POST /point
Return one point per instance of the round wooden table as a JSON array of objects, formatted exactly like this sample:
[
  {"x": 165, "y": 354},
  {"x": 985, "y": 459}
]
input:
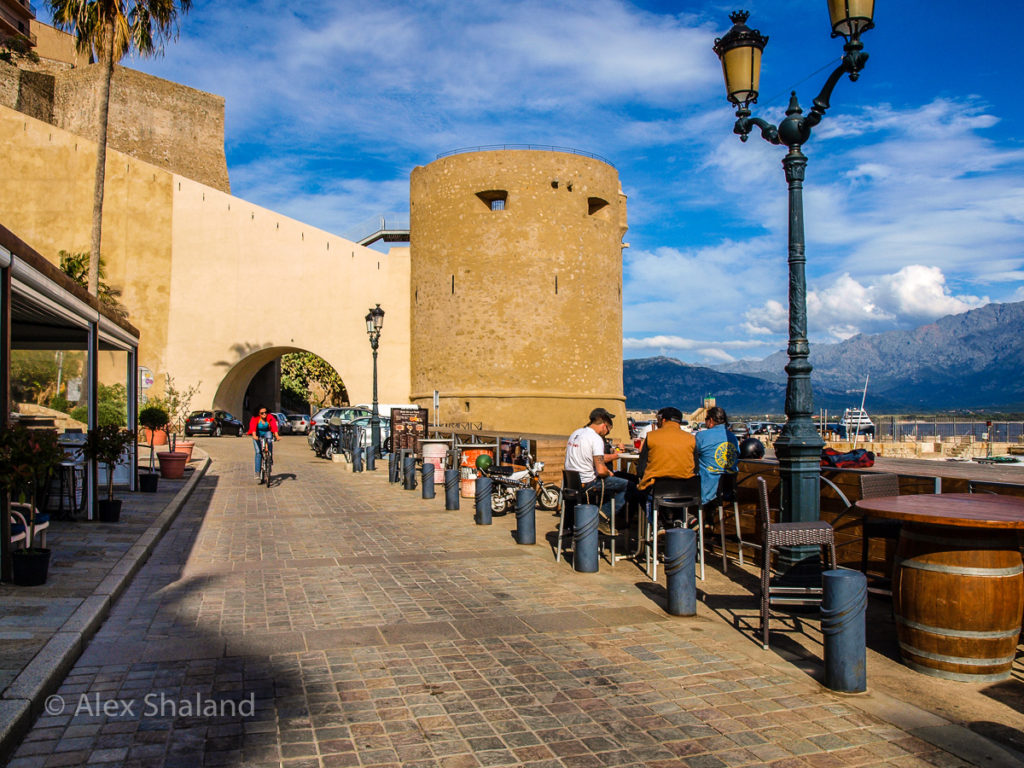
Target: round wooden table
[{"x": 958, "y": 591}]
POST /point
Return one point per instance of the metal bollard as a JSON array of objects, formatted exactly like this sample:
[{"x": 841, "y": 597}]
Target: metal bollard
[
  {"x": 680, "y": 576},
  {"x": 526, "y": 516},
  {"x": 357, "y": 459},
  {"x": 844, "y": 602},
  {"x": 584, "y": 539},
  {"x": 409, "y": 472},
  {"x": 392, "y": 467},
  {"x": 483, "y": 500},
  {"x": 428, "y": 480},
  {"x": 451, "y": 489},
  {"x": 371, "y": 460}
]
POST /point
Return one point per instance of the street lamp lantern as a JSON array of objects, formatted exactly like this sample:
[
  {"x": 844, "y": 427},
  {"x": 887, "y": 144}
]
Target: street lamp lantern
[
  {"x": 851, "y": 17},
  {"x": 740, "y": 51},
  {"x": 374, "y": 322},
  {"x": 799, "y": 445}
]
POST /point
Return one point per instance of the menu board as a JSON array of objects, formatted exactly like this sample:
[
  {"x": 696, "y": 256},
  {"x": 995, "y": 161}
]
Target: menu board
[{"x": 408, "y": 427}]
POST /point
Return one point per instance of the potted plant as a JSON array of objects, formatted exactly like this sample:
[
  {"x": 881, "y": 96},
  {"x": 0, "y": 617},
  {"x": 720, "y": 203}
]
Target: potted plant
[
  {"x": 28, "y": 458},
  {"x": 107, "y": 444},
  {"x": 154, "y": 419}
]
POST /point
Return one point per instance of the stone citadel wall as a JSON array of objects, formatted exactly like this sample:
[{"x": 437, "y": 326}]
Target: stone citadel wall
[{"x": 171, "y": 126}]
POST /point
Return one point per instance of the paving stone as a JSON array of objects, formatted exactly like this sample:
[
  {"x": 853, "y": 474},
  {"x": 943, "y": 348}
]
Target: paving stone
[{"x": 372, "y": 628}]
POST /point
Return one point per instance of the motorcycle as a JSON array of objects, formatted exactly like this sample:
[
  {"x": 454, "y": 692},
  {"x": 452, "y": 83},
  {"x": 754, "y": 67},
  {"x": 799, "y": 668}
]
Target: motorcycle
[
  {"x": 505, "y": 481},
  {"x": 325, "y": 439}
]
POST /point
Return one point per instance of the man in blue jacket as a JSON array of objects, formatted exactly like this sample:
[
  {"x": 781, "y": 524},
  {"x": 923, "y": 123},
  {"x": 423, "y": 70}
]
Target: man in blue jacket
[{"x": 717, "y": 453}]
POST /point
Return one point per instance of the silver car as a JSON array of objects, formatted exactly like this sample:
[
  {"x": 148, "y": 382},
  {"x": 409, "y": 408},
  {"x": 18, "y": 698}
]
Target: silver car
[
  {"x": 299, "y": 422},
  {"x": 363, "y": 422}
]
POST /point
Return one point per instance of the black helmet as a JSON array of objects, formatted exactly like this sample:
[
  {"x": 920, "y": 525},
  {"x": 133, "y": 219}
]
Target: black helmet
[{"x": 751, "y": 448}]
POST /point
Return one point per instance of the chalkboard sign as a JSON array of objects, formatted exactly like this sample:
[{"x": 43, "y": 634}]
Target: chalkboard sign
[{"x": 408, "y": 427}]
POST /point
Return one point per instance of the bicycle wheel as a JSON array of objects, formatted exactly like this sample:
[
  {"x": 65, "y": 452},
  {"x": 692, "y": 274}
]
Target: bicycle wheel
[{"x": 267, "y": 464}]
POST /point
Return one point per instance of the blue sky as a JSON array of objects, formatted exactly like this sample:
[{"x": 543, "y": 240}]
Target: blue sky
[{"x": 914, "y": 196}]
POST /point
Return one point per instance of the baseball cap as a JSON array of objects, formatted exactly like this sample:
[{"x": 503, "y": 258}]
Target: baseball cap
[{"x": 600, "y": 414}]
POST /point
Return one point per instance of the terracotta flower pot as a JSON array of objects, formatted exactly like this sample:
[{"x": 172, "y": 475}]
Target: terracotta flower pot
[
  {"x": 156, "y": 437},
  {"x": 185, "y": 446},
  {"x": 172, "y": 464}
]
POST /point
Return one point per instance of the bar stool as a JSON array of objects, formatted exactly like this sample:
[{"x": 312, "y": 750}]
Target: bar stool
[
  {"x": 68, "y": 477},
  {"x": 673, "y": 493}
]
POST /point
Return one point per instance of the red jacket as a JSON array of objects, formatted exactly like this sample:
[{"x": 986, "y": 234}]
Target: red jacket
[{"x": 255, "y": 420}]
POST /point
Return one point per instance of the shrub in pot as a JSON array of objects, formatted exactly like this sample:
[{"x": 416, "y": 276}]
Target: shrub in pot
[
  {"x": 107, "y": 444},
  {"x": 154, "y": 419},
  {"x": 28, "y": 459}
]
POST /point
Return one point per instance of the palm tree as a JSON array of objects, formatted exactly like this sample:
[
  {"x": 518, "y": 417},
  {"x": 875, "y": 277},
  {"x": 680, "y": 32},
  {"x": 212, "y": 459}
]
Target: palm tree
[{"x": 107, "y": 30}]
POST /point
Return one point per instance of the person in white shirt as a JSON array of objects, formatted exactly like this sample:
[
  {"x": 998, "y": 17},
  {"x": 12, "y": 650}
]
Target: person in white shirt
[{"x": 585, "y": 453}]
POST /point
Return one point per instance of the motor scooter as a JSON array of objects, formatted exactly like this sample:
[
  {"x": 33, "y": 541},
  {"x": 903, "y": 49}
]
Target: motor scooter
[
  {"x": 506, "y": 480},
  {"x": 325, "y": 441}
]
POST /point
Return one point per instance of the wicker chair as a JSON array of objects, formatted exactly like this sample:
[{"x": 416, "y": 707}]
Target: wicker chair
[
  {"x": 874, "y": 486},
  {"x": 816, "y": 533}
]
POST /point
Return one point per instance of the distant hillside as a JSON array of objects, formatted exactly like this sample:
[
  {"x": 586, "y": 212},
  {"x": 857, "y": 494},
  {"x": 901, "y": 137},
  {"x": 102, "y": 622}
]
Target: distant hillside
[
  {"x": 971, "y": 360},
  {"x": 654, "y": 382}
]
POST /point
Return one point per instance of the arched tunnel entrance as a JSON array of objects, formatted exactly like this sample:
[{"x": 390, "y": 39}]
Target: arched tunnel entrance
[{"x": 255, "y": 380}]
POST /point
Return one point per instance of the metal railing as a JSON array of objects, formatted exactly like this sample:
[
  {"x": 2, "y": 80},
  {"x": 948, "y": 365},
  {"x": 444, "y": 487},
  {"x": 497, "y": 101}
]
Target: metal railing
[
  {"x": 379, "y": 227},
  {"x": 538, "y": 147}
]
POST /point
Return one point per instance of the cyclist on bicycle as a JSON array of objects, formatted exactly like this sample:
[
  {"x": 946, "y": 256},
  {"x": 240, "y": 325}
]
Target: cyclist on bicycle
[{"x": 263, "y": 425}]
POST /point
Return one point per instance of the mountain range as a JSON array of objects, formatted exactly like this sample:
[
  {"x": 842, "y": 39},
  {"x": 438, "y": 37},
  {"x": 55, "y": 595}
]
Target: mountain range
[{"x": 970, "y": 361}]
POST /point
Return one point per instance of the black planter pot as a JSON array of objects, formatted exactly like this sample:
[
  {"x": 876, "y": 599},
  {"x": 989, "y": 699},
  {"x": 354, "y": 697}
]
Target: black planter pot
[
  {"x": 109, "y": 510},
  {"x": 148, "y": 481},
  {"x": 30, "y": 566}
]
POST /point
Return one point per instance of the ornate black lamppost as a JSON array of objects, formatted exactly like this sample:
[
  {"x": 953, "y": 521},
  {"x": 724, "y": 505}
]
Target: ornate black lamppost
[
  {"x": 799, "y": 446},
  {"x": 374, "y": 322}
]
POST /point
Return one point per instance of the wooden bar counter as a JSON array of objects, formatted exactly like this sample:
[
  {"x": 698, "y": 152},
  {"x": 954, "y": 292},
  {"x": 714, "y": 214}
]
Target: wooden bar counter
[{"x": 958, "y": 590}]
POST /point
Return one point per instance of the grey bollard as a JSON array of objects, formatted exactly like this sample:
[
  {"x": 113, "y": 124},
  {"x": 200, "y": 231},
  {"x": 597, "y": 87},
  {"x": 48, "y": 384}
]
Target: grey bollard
[
  {"x": 526, "y": 516},
  {"x": 392, "y": 467},
  {"x": 584, "y": 539},
  {"x": 428, "y": 480},
  {"x": 680, "y": 574},
  {"x": 357, "y": 459},
  {"x": 409, "y": 472},
  {"x": 844, "y": 602},
  {"x": 483, "y": 500},
  {"x": 371, "y": 460},
  {"x": 451, "y": 489}
]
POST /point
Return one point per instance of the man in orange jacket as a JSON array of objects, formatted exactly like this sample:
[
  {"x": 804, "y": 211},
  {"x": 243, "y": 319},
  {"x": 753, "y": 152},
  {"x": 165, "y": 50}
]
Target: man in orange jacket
[{"x": 668, "y": 451}]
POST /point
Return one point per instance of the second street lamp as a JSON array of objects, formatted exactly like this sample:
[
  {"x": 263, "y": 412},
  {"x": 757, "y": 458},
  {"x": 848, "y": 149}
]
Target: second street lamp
[
  {"x": 799, "y": 445},
  {"x": 374, "y": 322}
]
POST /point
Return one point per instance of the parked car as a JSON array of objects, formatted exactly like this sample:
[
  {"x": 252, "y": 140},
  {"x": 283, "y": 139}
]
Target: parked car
[
  {"x": 299, "y": 423},
  {"x": 344, "y": 413},
  {"x": 213, "y": 423},
  {"x": 284, "y": 427},
  {"x": 363, "y": 422},
  {"x": 764, "y": 428}
]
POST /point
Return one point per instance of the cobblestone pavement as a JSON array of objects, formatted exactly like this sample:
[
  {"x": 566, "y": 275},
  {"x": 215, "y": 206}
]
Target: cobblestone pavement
[
  {"x": 83, "y": 555},
  {"x": 368, "y": 627}
]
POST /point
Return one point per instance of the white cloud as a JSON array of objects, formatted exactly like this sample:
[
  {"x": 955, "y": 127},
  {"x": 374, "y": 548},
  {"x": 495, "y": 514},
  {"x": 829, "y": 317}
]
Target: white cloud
[{"x": 914, "y": 295}]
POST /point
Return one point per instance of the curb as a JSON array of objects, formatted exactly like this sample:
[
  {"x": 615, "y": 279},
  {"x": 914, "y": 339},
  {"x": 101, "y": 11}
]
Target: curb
[{"x": 25, "y": 697}]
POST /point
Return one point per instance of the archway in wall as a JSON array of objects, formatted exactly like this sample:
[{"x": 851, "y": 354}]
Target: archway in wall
[{"x": 252, "y": 381}]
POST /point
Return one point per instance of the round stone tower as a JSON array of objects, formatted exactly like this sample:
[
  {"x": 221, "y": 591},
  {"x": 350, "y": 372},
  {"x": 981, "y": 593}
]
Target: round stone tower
[{"x": 516, "y": 289}]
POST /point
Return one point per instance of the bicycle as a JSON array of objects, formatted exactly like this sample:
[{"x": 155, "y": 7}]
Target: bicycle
[{"x": 266, "y": 460}]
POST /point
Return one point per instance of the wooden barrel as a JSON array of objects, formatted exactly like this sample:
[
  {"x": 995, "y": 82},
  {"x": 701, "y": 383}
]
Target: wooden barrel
[{"x": 958, "y": 598}]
